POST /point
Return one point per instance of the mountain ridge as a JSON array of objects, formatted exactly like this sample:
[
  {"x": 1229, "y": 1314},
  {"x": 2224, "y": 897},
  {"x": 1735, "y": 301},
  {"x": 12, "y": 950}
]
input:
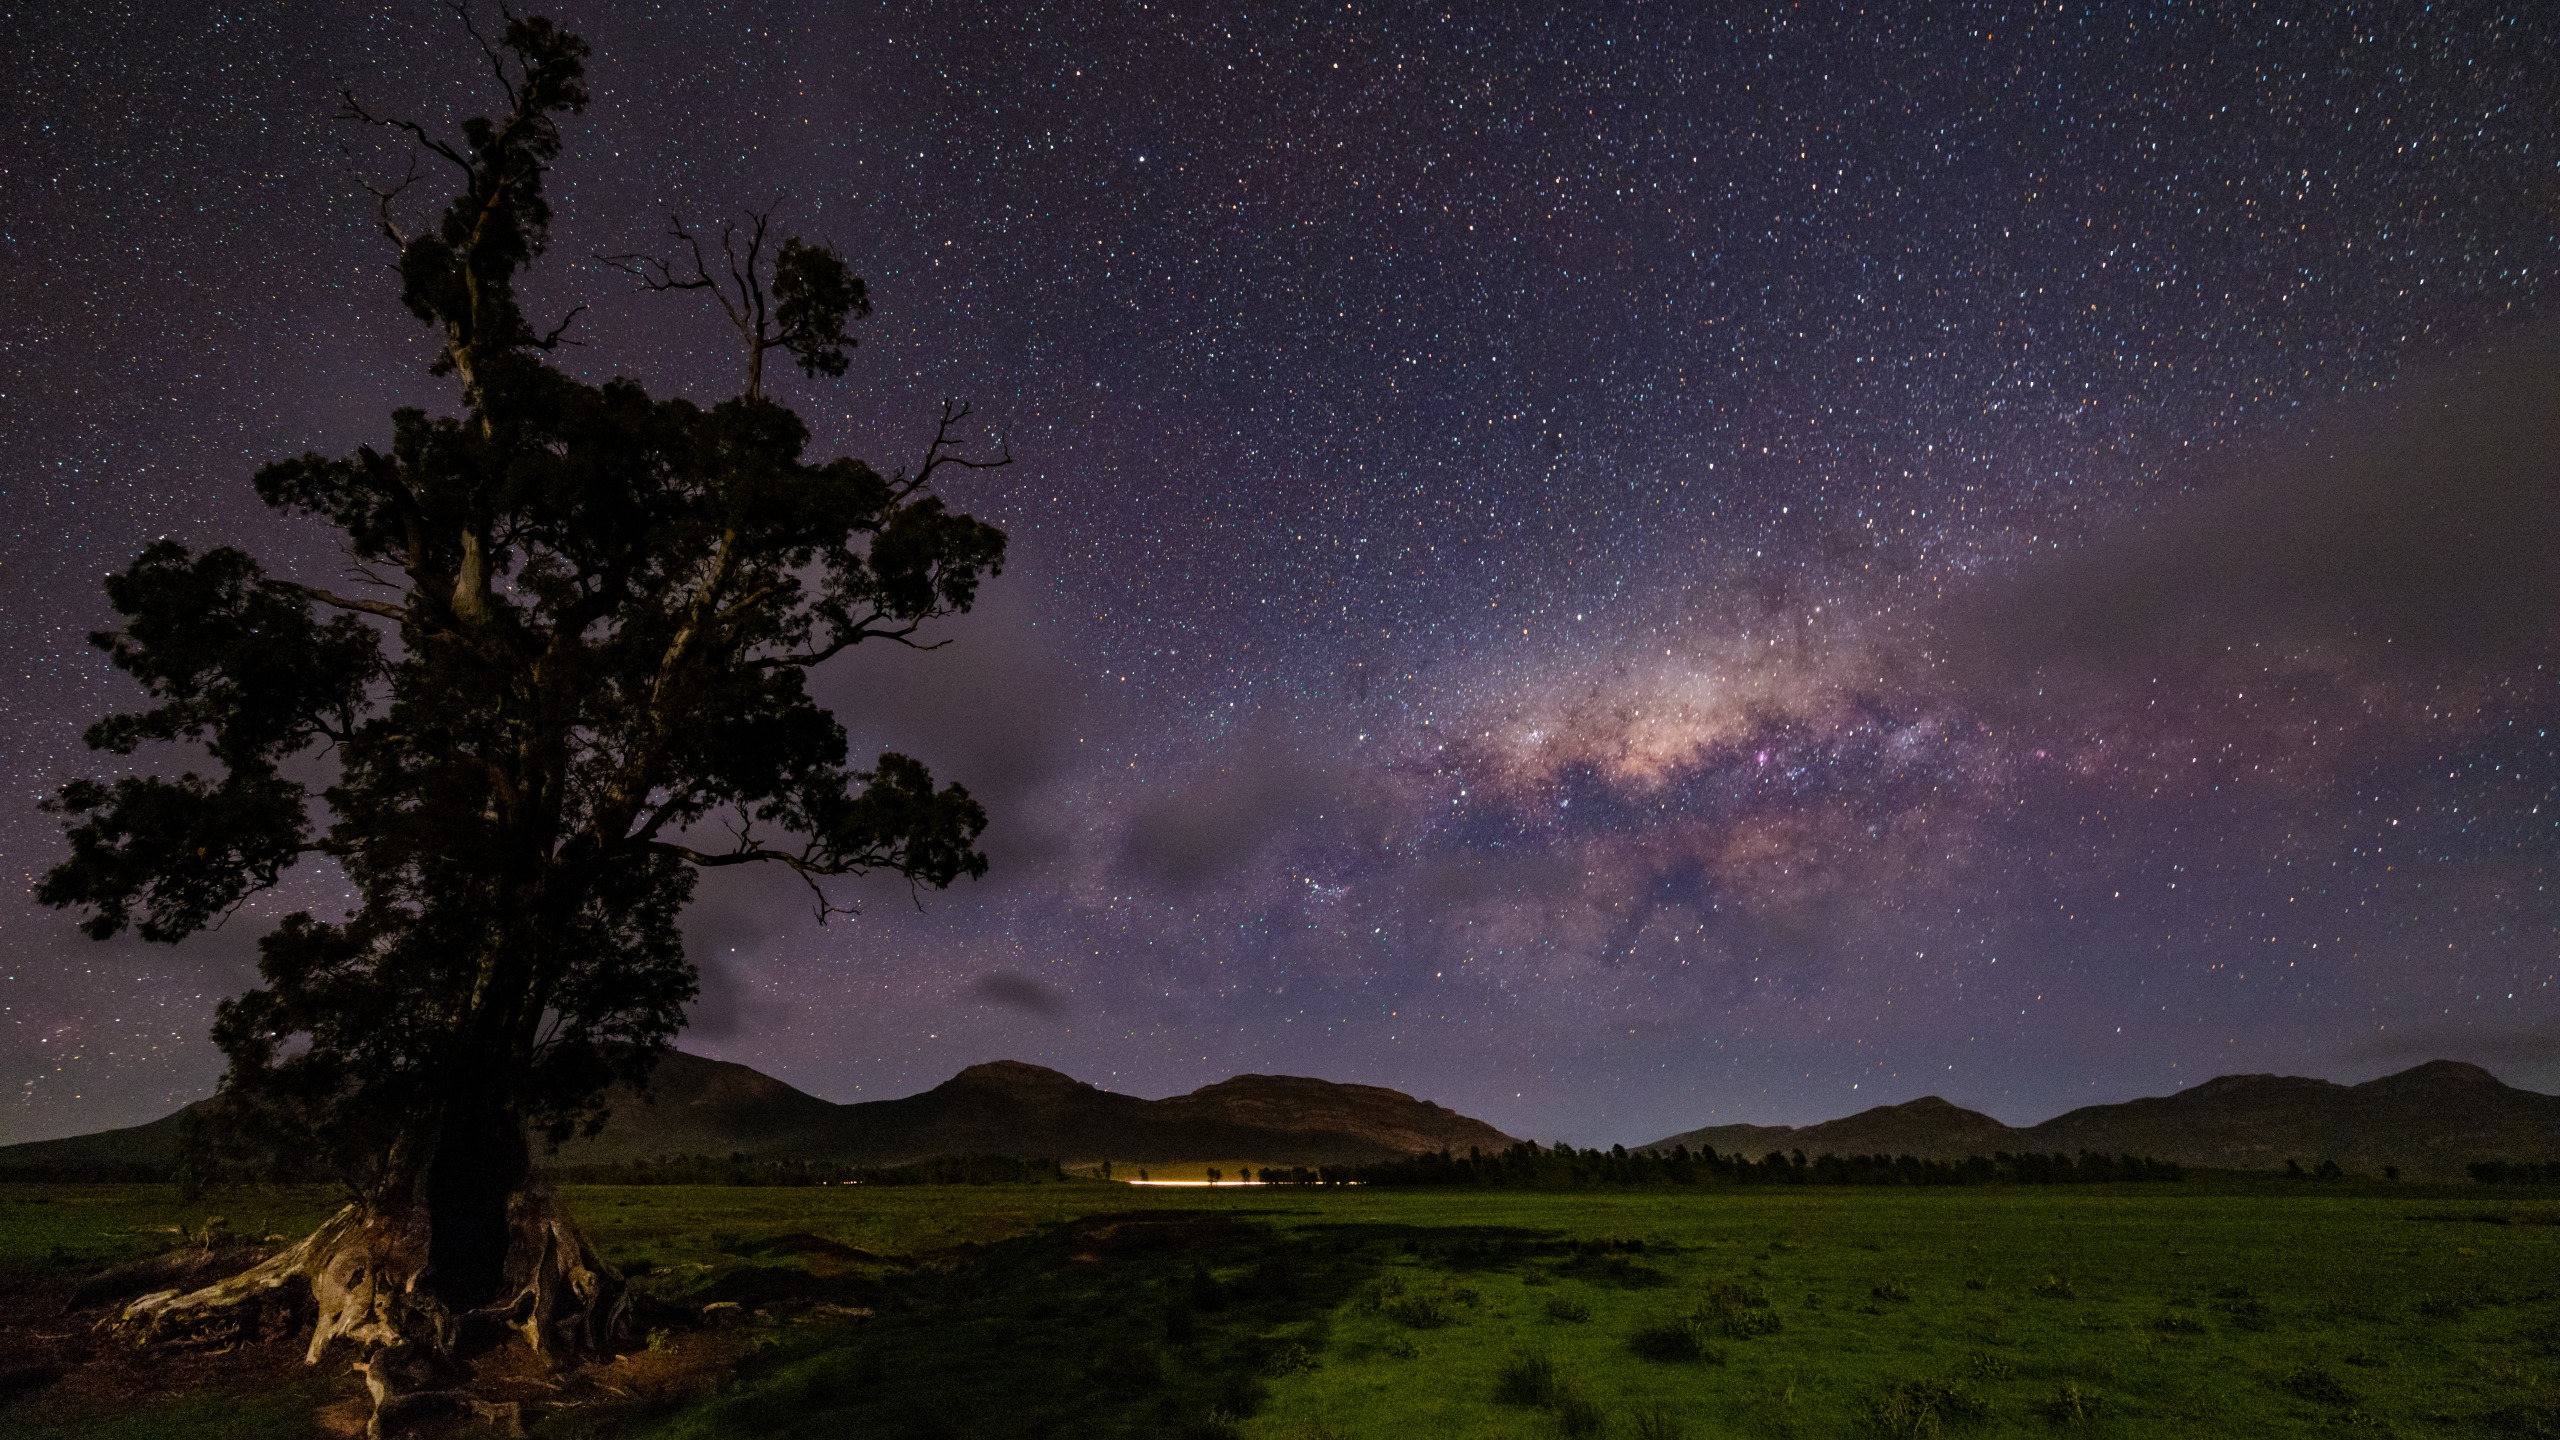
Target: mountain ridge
[
  {"x": 699, "y": 1106},
  {"x": 2430, "y": 1119}
]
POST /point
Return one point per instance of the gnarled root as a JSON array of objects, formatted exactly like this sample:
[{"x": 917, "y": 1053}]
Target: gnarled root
[
  {"x": 364, "y": 1274},
  {"x": 359, "y": 1269},
  {"x": 409, "y": 1385},
  {"x": 567, "y": 1302}
]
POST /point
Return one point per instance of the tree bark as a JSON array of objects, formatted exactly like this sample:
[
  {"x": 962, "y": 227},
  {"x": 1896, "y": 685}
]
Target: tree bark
[{"x": 480, "y": 1164}]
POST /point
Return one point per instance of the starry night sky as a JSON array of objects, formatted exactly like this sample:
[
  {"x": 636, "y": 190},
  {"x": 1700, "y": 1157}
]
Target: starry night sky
[{"x": 1617, "y": 569}]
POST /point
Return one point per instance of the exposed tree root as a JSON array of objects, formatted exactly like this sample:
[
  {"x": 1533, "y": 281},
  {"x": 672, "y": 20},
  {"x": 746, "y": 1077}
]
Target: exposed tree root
[{"x": 363, "y": 1277}]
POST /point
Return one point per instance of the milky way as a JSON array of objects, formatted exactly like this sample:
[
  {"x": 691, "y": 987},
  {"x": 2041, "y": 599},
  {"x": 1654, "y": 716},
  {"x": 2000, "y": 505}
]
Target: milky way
[{"x": 1618, "y": 570}]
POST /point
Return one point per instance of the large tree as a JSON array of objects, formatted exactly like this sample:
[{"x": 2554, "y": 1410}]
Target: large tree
[{"x": 570, "y": 674}]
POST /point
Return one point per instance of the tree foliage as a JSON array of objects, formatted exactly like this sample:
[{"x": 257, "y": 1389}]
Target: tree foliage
[{"x": 574, "y": 674}]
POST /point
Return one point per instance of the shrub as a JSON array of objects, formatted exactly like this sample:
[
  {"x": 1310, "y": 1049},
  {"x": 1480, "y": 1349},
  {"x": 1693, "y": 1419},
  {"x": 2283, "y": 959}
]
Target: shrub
[
  {"x": 1416, "y": 1312},
  {"x": 1983, "y": 1365},
  {"x": 2056, "y": 1287},
  {"x": 1569, "y": 1308},
  {"x": 1288, "y": 1358},
  {"x": 1530, "y": 1379},
  {"x": 1526, "y": 1379},
  {"x": 1738, "y": 1311},
  {"x": 1674, "y": 1340},
  {"x": 1893, "y": 1290},
  {"x": 2068, "y": 1404},
  {"x": 2318, "y": 1386},
  {"x": 1577, "y": 1415},
  {"x": 1917, "y": 1409}
]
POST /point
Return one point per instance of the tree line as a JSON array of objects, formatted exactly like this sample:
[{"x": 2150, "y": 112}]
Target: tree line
[
  {"x": 742, "y": 1169},
  {"x": 1531, "y": 1166}
]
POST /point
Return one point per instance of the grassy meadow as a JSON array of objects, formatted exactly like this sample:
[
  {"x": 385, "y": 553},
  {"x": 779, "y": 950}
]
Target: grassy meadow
[{"x": 1085, "y": 1309}]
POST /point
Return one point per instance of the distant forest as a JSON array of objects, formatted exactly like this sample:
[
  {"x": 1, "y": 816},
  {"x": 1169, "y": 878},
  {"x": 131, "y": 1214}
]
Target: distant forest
[
  {"x": 1529, "y": 1166},
  {"x": 748, "y": 1170},
  {"x": 1525, "y": 1166},
  {"x": 2511, "y": 1172}
]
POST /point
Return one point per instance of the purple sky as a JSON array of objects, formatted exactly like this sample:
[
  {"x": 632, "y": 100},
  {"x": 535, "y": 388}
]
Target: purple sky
[{"x": 1617, "y": 571}]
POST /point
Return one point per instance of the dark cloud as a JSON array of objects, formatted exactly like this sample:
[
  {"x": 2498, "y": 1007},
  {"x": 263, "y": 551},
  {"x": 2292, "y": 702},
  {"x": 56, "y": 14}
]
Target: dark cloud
[
  {"x": 721, "y": 1003},
  {"x": 1226, "y": 811},
  {"x": 1018, "y": 992},
  {"x": 996, "y": 709},
  {"x": 2521, "y": 1054},
  {"x": 2409, "y": 533}
]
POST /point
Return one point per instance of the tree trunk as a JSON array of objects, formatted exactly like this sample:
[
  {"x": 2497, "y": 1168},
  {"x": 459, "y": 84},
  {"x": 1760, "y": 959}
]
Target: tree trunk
[
  {"x": 481, "y": 1162},
  {"x": 367, "y": 1276}
]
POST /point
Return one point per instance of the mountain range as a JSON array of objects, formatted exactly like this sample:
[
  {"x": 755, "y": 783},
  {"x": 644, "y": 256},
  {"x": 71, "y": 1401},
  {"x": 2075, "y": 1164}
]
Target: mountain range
[
  {"x": 698, "y": 1106},
  {"x": 2431, "y": 1120}
]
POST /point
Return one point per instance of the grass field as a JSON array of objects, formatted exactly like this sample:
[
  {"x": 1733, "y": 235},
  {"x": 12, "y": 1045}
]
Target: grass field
[{"x": 1094, "y": 1310}]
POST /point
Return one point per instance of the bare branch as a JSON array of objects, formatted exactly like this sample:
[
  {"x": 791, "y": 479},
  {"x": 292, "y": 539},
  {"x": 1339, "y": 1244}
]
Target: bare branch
[
  {"x": 846, "y": 640},
  {"x": 384, "y": 198},
  {"x": 552, "y": 340},
  {"x": 383, "y": 608},
  {"x": 946, "y": 451},
  {"x": 497, "y": 62},
  {"x": 656, "y": 274},
  {"x": 350, "y": 108}
]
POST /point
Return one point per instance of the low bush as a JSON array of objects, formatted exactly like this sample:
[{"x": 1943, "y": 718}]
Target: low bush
[
  {"x": 2318, "y": 1386},
  {"x": 1922, "y": 1409},
  {"x": 1983, "y": 1365},
  {"x": 1288, "y": 1358},
  {"x": 1577, "y": 1415},
  {"x": 1417, "y": 1312},
  {"x": 1675, "y": 1340},
  {"x": 2068, "y": 1404},
  {"x": 1738, "y": 1311},
  {"x": 2242, "y": 1308},
  {"x": 1527, "y": 1379}
]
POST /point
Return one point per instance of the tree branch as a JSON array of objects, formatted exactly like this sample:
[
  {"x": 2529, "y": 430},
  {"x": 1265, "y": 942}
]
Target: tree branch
[
  {"x": 552, "y": 340},
  {"x": 350, "y": 108},
  {"x": 497, "y": 63},
  {"x": 335, "y": 601},
  {"x": 946, "y": 451}
]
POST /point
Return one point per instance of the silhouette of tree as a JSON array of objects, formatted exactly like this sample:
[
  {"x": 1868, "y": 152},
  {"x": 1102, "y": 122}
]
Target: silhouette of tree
[{"x": 568, "y": 675}]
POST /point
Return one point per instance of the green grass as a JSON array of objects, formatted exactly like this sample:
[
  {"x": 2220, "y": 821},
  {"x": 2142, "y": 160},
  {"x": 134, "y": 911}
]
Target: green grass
[
  {"x": 50, "y": 1227},
  {"x": 1089, "y": 1310}
]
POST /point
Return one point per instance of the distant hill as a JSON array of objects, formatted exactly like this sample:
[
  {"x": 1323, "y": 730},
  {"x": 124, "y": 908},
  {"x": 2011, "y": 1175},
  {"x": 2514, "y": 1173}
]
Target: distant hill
[
  {"x": 711, "y": 1107},
  {"x": 2433, "y": 1119},
  {"x": 136, "y": 1152}
]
